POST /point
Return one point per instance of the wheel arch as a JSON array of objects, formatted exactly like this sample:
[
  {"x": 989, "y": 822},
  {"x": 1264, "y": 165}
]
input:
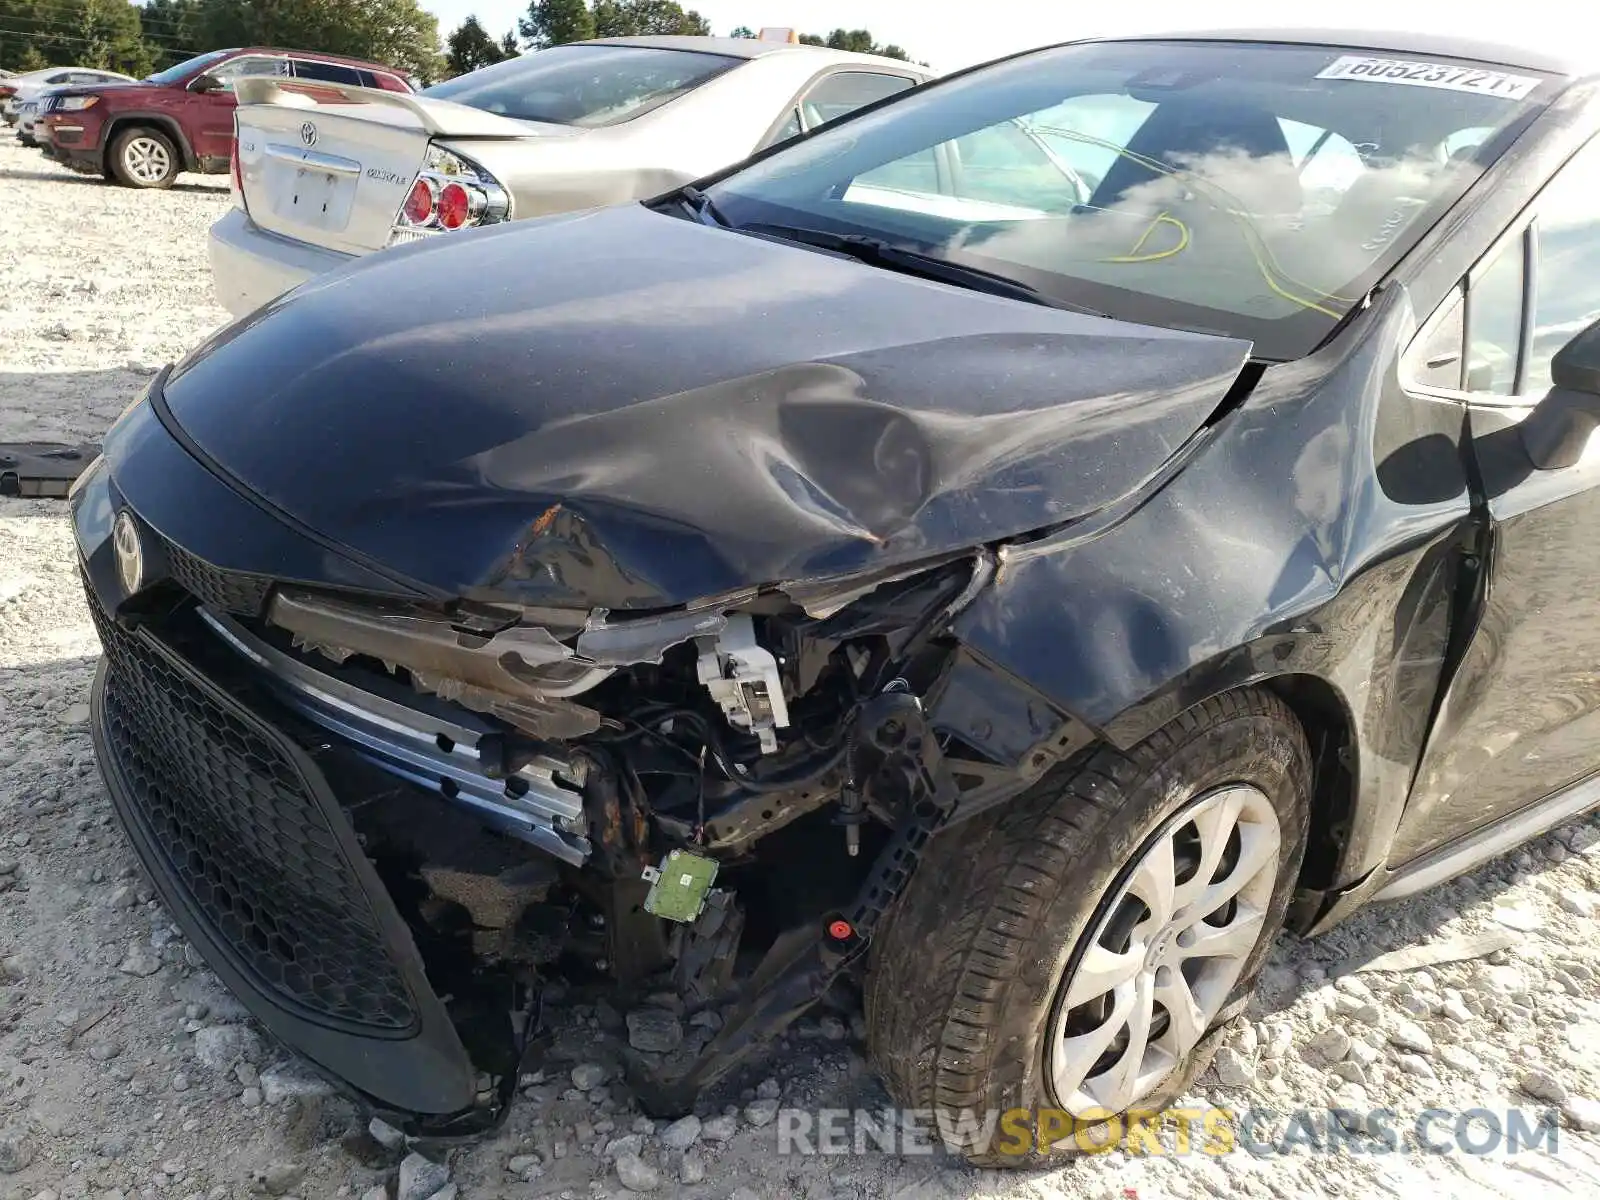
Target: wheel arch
[
  {"x": 1329, "y": 726},
  {"x": 119, "y": 123},
  {"x": 1347, "y": 819},
  {"x": 1355, "y": 793}
]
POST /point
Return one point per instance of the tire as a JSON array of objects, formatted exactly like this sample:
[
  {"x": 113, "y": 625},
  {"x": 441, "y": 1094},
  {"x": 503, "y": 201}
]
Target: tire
[
  {"x": 144, "y": 157},
  {"x": 967, "y": 979}
]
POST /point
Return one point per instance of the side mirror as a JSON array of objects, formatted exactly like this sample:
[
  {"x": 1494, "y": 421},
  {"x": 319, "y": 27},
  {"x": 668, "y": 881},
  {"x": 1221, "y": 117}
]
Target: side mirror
[
  {"x": 1576, "y": 366},
  {"x": 1556, "y": 431},
  {"x": 205, "y": 84}
]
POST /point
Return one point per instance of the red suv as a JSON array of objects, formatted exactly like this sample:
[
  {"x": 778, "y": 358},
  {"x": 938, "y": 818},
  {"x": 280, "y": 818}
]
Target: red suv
[{"x": 181, "y": 119}]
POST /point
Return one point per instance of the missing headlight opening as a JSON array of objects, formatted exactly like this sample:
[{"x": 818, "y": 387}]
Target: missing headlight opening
[{"x": 695, "y": 800}]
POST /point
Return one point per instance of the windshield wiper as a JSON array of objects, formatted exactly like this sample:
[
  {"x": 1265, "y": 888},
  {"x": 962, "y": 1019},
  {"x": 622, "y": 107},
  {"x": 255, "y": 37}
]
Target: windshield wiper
[
  {"x": 881, "y": 253},
  {"x": 702, "y": 206}
]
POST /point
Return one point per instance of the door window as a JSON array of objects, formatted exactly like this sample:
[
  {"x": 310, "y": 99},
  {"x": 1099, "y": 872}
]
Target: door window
[
  {"x": 248, "y": 66},
  {"x": 916, "y": 173},
  {"x": 305, "y": 68},
  {"x": 790, "y": 128},
  {"x": 1559, "y": 253},
  {"x": 1434, "y": 360},
  {"x": 1006, "y": 164},
  {"x": 1494, "y": 322},
  {"x": 1046, "y": 163},
  {"x": 1567, "y": 273},
  {"x": 1004, "y": 171},
  {"x": 843, "y": 92},
  {"x": 1088, "y": 133}
]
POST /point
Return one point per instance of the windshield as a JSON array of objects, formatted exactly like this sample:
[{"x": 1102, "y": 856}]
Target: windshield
[
  {"x": 583, "y": 85},
  {"x": 1252, "y": 189},
  {"x": 186, "y": 68}
]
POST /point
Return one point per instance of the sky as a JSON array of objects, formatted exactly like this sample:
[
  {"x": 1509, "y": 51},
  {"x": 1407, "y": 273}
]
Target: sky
[{"x": 945, "y": 35}]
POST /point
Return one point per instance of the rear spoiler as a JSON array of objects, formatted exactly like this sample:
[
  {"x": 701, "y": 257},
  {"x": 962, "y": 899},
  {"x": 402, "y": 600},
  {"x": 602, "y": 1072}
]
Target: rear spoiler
[{"x": 438, "y": 118}]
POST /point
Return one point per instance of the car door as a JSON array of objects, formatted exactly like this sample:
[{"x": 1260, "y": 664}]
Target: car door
[
  {"x": 211, "y": 113},
  {"x": 1520, "y": 720},
  {"x": 835, "y": 94}
]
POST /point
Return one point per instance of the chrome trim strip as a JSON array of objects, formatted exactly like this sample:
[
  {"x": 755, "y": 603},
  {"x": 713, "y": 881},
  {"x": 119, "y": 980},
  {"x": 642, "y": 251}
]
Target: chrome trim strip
[
  {"x": 311, "y": 158},
  {"x": 398, "y": 719},
  {"x": 1457, "y": 857},
  {"x": 411, "y": 744}
]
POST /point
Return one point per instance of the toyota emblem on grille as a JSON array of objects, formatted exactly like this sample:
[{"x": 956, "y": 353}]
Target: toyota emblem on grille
[
  {"x": 129, "y": 551},
  {"x": 308, "y": 134}
]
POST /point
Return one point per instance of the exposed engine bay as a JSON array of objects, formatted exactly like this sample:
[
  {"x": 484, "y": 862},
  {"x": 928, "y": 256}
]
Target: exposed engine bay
[{"x": 716, "y": 802}]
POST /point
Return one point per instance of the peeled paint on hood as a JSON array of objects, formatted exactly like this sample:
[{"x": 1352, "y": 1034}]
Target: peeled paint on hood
[{"x": 628, "y": 410}]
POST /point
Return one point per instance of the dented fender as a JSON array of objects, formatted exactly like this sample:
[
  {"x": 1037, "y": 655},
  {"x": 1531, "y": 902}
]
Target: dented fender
[{"x": 1225, "y": 578}]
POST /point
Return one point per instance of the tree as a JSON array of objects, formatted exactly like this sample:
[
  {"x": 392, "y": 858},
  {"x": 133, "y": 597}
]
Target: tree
[
  {"x": 110, "y": 36},
  {"x": 88, "y": 33},
  {"x": 395, "y": 32},
  {"x": 508, "y": 45},
  {"x": 742, "y": 31},
  {"x": 171, "y": 29},
  {"x": 858, "y": 41},
  {"x": 556, "y": 22},
  {"x": 470, "y": 47},
  {"x": 638, "y": 18}
]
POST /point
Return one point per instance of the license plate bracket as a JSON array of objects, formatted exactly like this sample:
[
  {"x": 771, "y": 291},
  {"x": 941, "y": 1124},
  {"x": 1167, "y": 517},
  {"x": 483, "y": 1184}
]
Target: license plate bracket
[{"x": 311, "y": 196}]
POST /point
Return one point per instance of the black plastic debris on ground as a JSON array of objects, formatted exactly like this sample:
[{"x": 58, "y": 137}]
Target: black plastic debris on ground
[{"x": 42, "y": 470}]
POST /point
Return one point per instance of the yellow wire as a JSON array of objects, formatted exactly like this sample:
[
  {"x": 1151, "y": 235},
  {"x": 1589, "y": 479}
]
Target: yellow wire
[
  {"x": 1265, "y": 267},
  {"x": 1133, "y": 256}
]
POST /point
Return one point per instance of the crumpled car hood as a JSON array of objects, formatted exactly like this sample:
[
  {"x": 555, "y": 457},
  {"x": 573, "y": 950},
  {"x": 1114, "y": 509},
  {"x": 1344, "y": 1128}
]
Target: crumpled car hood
[{"x": 626, "y": 410}]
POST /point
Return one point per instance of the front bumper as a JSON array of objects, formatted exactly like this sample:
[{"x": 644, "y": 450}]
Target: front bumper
[
  {"x": 250, "y": 266},
  {"x": 213, "y": 780},
  {"x": 259, "y": 865},
  {"x": 69, "y": 147}
]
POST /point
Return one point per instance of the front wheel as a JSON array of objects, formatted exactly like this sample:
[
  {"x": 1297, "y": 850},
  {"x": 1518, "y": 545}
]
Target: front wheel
[
  {"x": 144, "y": 158},
  {"x": 1071, "y": 953}
]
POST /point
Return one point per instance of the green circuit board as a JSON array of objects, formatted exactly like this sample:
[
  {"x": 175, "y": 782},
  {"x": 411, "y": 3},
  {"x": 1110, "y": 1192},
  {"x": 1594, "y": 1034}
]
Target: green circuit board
[{"x": 680, "y": 885}]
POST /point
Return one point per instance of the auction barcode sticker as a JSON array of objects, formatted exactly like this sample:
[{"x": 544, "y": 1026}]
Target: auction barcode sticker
[{"x": 1432, "y": 75}]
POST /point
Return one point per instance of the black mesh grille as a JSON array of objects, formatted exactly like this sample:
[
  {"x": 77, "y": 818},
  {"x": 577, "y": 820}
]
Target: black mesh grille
[
  {"x": 245, "y": 838},
  {"x": 227, "y": 591}
]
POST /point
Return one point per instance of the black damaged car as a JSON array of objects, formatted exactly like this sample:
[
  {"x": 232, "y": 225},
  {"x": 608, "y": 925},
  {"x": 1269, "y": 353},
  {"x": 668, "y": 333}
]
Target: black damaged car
[{"x": 1014, "y": 551}]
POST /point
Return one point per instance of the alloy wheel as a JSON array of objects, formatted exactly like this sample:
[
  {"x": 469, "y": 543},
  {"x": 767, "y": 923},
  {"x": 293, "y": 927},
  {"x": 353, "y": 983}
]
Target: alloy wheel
[
  {"x": 1165, "y": 952},
  {"x": 146, "y": 159}
]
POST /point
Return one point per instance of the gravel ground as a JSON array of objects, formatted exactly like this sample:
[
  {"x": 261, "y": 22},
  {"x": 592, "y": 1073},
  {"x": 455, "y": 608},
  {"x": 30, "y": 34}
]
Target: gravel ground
[{"x": 125, "y": 1069}]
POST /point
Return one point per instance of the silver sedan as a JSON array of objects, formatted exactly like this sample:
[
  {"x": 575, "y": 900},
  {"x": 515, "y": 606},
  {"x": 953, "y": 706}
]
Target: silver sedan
[{"x": 328, "y": 172}]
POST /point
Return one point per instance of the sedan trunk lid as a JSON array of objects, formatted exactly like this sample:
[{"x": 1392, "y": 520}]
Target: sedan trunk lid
[{"x": 331, "y": 164}]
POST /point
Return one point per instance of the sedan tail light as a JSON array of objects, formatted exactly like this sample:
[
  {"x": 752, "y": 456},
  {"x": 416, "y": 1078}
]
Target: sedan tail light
[
  {"x": 450, "y": 192},
  {"x": 419, "y": 206},
  {"x": 7, "y": 92}
]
